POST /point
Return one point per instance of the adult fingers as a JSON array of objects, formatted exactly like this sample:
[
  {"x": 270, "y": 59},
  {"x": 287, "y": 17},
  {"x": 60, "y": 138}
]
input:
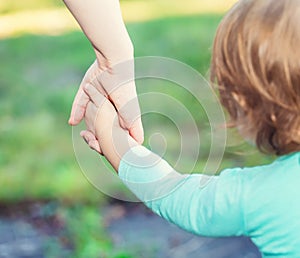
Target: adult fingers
[
  {"x": 94, "y": 95},
  {"x": 130, "y": 118},
  {"x": 78, "y": 108},
  {"x": 91, "y": 140},
  {"x": 81, "y": 98},
  {"x": 91, "y": 116},
  {"x": 127, "y": 104},
  {"x": 119, "y": 84},
  {"x": 136, "y": 131},
  {"x": 93, "y": 76}
]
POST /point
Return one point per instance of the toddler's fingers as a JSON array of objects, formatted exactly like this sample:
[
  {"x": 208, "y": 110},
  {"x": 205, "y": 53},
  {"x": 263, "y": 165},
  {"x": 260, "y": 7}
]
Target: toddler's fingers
[
  {"x": 96, "y": 97},
  {"x": 91, "y": 140}
]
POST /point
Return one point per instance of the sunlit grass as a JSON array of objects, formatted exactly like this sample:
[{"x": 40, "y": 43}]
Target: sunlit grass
[
  {"x": 48, "y": 21},
  {"x": 34, "y": 18},
  {"x": 137, "y": 10}
]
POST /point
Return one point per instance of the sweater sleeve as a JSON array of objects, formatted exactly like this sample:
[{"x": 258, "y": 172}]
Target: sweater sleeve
[{"x": 204, "y": 205}]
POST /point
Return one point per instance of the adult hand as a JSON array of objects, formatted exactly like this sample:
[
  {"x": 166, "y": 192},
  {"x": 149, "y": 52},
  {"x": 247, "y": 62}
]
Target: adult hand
[
  {"x": 117, "y": 84},
  {"x": 102, "y": 23},
  {"x": 101, "y": 121}
]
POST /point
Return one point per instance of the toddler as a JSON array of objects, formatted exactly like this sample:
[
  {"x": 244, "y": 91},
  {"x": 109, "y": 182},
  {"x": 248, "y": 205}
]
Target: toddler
[{"x": 256, "y": 65}]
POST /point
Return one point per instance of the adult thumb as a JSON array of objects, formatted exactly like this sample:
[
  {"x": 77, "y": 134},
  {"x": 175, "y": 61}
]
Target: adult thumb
[{"x": 130, "y": 119}]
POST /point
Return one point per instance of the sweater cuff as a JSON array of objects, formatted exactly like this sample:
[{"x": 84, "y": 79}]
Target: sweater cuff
[
  {"x": 139, "y": 165},
  {"x": 147, "y": 175}
]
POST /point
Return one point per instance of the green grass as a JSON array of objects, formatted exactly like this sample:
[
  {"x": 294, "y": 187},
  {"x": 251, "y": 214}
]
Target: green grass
[
  {"x": 39, "y": 76},
  {"x": 15, "y": 5},
  {"x": 186, "y": 39}
]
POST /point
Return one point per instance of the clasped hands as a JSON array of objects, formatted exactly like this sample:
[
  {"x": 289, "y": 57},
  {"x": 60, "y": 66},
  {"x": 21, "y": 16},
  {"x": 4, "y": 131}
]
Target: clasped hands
[{"x": 111, "y": 112}]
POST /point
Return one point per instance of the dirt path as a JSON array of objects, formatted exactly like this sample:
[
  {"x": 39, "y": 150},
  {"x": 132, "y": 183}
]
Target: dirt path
[
  {"x": 133, "y": 227},
  {"x": 25, "y": 233},
  {"x": 18, "y": 239}
]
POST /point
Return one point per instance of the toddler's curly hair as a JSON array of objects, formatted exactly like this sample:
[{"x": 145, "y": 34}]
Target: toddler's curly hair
[{"x": 256, "y": 65}]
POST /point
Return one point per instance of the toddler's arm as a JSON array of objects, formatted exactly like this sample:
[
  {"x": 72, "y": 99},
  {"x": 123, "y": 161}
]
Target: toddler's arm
[
  {"x": 205, "y": 205},
  {"x": 211, "y": 209}
]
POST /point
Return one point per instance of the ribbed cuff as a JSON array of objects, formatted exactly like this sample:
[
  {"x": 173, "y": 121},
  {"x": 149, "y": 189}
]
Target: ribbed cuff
[
  {"x": 147, "y": 175},
  {"x": 139, "y": 165}
]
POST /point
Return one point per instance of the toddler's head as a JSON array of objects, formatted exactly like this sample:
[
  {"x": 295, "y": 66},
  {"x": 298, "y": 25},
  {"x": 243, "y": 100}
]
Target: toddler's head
[{"x": 256, "y": 64}]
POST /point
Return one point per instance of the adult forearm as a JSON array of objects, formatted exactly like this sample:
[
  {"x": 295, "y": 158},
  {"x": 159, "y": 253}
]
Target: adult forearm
[{"x": 102, "y": 22}]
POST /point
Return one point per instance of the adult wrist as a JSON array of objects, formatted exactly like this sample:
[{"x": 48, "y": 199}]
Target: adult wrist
[{"x": 122, "y": 53}]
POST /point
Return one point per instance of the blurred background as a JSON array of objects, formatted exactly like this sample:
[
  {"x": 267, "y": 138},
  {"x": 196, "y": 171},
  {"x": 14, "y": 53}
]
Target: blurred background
[{"x": 47, "y": 206}]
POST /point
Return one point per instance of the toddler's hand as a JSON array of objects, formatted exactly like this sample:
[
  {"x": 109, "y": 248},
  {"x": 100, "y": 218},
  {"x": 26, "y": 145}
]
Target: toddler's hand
[{"x": 100, "y": 115}]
